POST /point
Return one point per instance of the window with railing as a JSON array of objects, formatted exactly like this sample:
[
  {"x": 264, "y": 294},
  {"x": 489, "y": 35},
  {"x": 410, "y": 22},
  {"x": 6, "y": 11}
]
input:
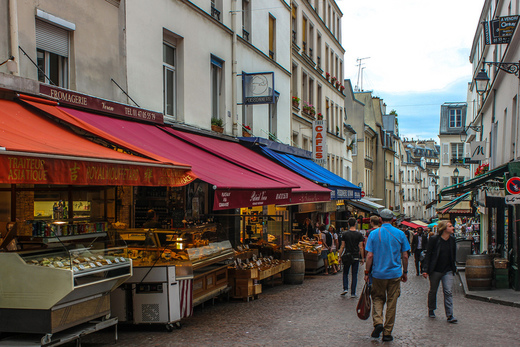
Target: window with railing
[{"x": 272, "y": 36}]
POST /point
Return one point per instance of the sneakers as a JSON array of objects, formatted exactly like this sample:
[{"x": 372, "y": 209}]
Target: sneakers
[
  {"x": 431, "y": 313},
  {"x": 353, "y": 296},
  {"x": 343, "y": 293},
  {"x": 452, "y": 320},
  {"x": 388, "y": 338},
  {"x": 377, "y": 330}
]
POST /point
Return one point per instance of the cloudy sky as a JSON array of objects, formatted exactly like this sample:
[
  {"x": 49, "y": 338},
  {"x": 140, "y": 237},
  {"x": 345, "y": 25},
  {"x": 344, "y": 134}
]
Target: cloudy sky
[{"x": 417, "y": 55}]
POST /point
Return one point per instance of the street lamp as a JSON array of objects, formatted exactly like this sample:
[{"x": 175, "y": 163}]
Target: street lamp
[
  {"x": 463, "y": 135},
  {"x": 481, "y": 82},
  {"x": 456, "y": 172}
]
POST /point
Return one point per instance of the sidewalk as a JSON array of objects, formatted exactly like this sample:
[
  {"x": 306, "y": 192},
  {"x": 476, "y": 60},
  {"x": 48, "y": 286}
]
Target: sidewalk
[{"x": 508, "y": 297}]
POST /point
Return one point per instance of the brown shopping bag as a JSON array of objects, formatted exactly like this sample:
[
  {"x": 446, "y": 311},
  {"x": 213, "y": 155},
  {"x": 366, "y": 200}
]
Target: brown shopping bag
[{"x": 365, "y": 303}]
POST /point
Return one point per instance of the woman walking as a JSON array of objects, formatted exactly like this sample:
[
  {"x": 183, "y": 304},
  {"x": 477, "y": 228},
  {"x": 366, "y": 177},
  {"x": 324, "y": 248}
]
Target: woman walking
[{"x": 439, "y": 265}]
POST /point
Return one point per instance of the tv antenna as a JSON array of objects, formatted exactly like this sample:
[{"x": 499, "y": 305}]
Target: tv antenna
[{"x": 359, "y": 86}]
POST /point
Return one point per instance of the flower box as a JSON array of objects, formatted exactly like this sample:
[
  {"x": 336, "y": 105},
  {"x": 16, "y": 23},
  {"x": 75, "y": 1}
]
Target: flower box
[{"x": 217, "y": 128}]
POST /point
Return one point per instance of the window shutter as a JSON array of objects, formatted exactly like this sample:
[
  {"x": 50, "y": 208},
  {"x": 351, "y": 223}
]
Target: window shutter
[
  {"x": 445, "y": 181},
  {"x": 445, "y": 154},
  {"x": 52, "y": 39}
]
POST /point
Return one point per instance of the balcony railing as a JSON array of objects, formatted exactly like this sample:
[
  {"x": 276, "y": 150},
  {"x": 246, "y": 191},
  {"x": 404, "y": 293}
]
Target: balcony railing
[
  {"x": 215, "y": 13},
  {"x": 245, "y": 34}
]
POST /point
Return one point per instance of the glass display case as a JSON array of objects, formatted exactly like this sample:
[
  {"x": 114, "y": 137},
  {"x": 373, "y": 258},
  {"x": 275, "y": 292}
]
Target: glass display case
[
  {"x": 51, "y": 289},
  {"x": 196, "y": 246}
]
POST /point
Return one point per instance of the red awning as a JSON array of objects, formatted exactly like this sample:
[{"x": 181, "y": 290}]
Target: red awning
[
  {"x": 411, "y": 225},
  {"x": 36, "y": 150},
  {"x": 234, "y": 185},
  {"x": 240, "y": 155}
]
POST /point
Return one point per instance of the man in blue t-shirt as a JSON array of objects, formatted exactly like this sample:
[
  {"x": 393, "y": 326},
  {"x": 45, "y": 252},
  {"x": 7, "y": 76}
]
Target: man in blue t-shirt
[{"x": 387, "y": 261}]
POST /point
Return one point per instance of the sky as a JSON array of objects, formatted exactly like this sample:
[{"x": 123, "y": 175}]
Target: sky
[{"x": 417, "y": 55}]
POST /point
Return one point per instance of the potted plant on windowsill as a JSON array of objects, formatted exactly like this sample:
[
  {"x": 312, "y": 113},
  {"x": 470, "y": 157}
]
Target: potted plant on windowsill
[
  {"x": 296, "y": 102},
  {"x": 246, "y": 131},
  {"x": 216, "y": 125},
  {"x": 319, "y": 116},
  {"x": 327, "y": 75}
]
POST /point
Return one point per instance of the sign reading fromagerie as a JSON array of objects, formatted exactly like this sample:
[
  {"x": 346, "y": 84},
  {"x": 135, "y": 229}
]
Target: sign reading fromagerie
[
  {"x": 67, "y": 97},
  {"x": 33, "y": 170}
]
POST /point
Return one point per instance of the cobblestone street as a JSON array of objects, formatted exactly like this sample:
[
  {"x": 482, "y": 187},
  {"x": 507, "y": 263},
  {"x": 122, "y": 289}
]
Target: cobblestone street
[{"x": 314, "y": 314}]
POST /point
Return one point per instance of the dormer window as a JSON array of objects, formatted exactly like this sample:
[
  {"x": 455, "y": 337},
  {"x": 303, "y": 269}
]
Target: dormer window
[{"x": 455, "y": 118}]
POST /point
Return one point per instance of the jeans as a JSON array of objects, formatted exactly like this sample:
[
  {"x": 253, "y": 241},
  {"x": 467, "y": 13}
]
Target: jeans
[
  {"x": 385, "y": 292},
  {"x": 418, "y": 263},
  {"x": 447, "y": 286},
  {"x": 355, "y": 267}
]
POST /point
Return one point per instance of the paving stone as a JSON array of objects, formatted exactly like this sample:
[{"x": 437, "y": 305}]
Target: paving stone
[{"x": 314, "y": 314}]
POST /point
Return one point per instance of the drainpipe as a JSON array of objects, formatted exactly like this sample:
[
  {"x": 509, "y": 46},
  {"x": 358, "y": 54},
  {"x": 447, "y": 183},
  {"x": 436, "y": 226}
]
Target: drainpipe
[
  {"x": 234, "y": 115},
  {"x": 13, "y": 33}
]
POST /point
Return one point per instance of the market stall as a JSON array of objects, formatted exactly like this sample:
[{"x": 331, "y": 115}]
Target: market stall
[{"x": 174, "y": 270}]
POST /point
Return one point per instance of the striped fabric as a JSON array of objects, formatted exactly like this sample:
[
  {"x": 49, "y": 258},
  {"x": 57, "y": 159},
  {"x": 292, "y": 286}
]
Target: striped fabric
[{"x": 186, "y": 298}]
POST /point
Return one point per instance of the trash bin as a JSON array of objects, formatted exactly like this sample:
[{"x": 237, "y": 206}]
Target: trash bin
[{"x": 463, "y": 250}]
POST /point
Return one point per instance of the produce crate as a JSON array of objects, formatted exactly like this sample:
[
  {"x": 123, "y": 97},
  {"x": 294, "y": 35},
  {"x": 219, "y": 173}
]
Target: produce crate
[
  {"x": 267, "y": 272},
  {"x": 246, "y": 289},
  {"x": 501, "y": 263},
  {"x": 249, "y": 273}
]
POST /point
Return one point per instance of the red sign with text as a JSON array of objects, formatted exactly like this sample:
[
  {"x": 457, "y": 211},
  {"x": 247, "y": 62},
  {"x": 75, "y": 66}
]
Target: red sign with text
[
  {"x": 319, "y": 141},
  {"x": 33, "y": 170},
  {"x": 67, "y": 97}
]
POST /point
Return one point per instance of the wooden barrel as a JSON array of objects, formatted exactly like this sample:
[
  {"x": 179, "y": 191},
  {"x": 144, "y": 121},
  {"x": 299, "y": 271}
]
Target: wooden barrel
[
  {"x": 294, "y": 274},
  {"x": 479, "y": 272}
]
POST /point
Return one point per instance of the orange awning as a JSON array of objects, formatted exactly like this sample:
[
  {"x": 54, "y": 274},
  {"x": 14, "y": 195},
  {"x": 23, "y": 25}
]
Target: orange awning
[{"x": 37, "y": 150}]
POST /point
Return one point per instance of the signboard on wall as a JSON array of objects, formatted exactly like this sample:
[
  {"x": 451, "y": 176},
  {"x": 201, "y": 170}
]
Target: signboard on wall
[
  {"x": 258, "y": 88},
  {"x": 319, "y": 141},
  {"x": 500, "y": 30}
]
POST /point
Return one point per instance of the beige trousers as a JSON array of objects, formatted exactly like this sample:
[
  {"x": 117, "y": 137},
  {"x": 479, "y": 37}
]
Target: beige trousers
[{"x": 385, "y": 291}]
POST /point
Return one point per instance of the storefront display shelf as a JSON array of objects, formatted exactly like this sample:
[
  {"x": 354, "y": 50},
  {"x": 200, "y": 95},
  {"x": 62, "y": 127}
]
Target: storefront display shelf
[{"x": 53, "y": 289}]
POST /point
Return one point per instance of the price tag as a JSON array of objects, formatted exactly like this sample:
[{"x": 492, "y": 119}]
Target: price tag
[
  {"x": 99, "y": 264},
  {"x": 116, "y": 260},
  {"x": 92, "y": 265},
  {"x": 59, "y": 263},
  {"x": 81, "y": 267},
  {"x": 122, "y": 259},
  {"x": 109, "y": 261},
  {"x": 75, "y": 269}
]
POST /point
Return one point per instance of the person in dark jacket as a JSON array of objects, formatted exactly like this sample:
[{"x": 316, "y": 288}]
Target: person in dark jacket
[
  {"x": 439, "y": 265},
  {"x": 419, "y": 244}
]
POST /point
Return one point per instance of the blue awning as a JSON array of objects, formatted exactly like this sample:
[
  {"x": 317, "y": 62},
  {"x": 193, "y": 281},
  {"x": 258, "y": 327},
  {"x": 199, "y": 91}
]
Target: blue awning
[{"x": 340, "y": 187}]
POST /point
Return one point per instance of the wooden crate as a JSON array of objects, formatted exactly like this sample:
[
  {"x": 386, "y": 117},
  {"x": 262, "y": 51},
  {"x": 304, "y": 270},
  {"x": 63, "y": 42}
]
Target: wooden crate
[
  {"x": 249, "y": 273},
  {"x": 501, "y": 263},
  {"x": 267, "y": 272}
]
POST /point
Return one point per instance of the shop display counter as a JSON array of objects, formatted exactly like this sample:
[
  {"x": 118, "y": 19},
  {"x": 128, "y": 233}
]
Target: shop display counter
[
  {"x": 311, "y": 254},
  {"x": 50, "y": 290},
  {"x": 177, "y": 269}
]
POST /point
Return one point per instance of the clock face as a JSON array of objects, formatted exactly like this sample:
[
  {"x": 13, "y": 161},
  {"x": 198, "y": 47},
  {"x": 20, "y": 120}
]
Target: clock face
[{"x": 259, "y": 85}]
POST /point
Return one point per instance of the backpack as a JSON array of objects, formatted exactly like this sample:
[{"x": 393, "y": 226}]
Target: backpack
[{"x": 328, "y": 239}]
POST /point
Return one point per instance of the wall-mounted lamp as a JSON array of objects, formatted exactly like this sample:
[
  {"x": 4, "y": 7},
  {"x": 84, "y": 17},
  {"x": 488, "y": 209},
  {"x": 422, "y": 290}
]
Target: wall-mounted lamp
[
  {"x": 11, "y": 65},
  {"x": 482, "y": 79},
  {"x": 456, "y": 172}
]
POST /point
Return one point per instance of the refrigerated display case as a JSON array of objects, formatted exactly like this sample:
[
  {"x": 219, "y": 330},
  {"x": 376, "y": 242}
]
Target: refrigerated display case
[
  {"x": 52, "y": 289},
  {"x": 174, "y": 270}
]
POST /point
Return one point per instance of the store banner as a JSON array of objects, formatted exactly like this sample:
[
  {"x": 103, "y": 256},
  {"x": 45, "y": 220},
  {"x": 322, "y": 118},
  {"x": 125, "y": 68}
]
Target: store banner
[
  {"x": 300, "y": 198},
  {"x": 226, "y": 199},
  {"x": 42, "y": 170},
  {"x": 319, "y": 141}
]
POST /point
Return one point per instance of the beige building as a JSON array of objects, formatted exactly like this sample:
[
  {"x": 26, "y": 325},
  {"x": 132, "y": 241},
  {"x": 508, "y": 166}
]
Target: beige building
[
  {"x": 53, "y": 43},
  {"x": 317, "y": 78}
]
